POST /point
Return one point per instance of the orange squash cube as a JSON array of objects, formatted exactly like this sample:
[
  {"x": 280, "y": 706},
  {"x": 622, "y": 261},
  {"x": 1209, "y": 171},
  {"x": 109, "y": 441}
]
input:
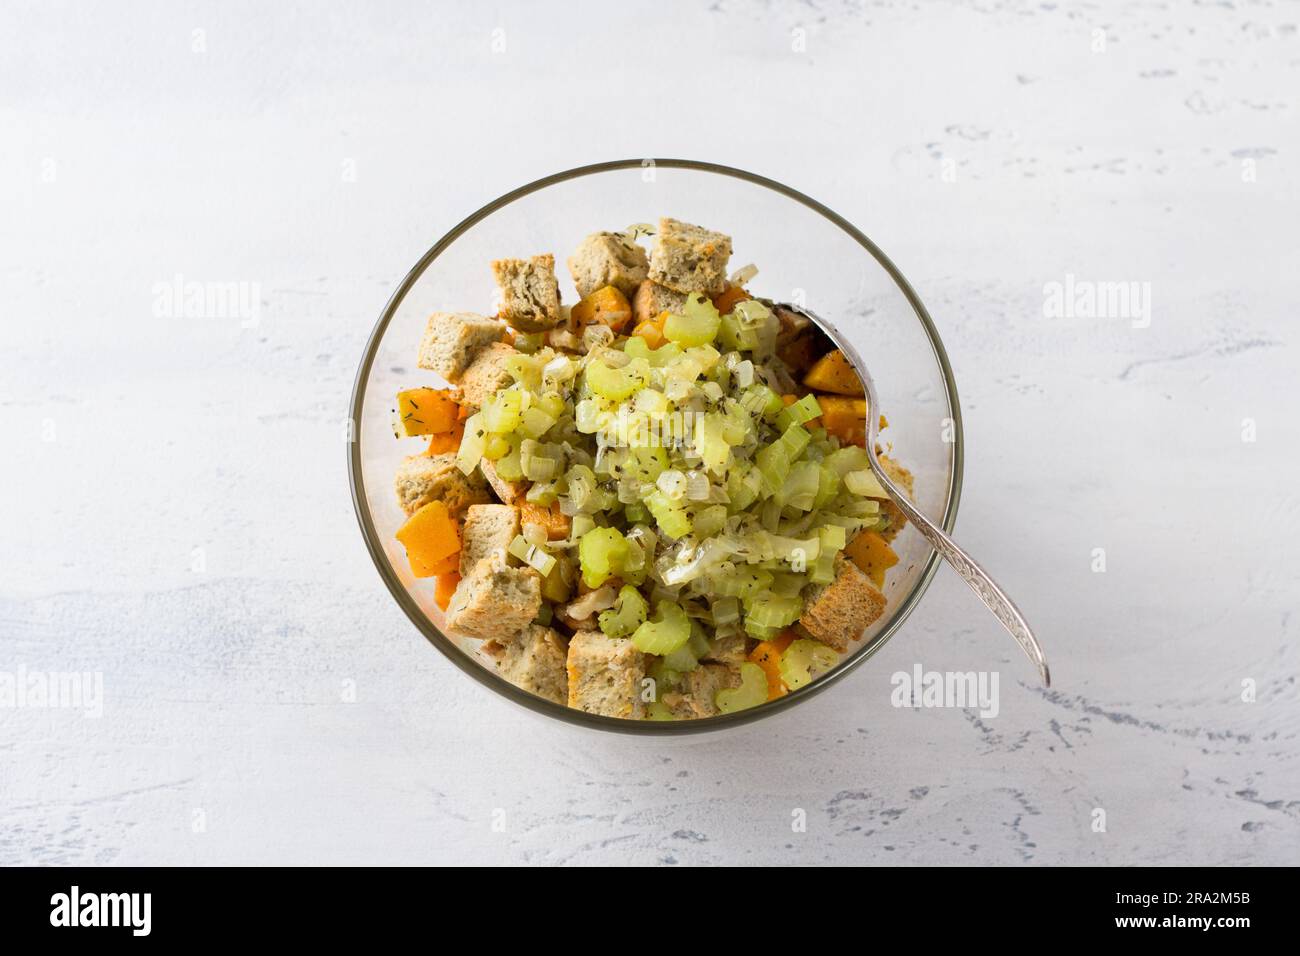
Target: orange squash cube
[
  {"x": 426, "y": 411},
  {"x": 873, "y": 556},
  {"x": 432, "y": 539},
  {"x": 607, "y": 306},
  {"x": 833, "y": 373}
]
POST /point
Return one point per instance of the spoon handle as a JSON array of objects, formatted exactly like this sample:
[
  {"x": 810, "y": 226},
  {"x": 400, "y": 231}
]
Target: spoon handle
[{"x": 993, "y": 596}]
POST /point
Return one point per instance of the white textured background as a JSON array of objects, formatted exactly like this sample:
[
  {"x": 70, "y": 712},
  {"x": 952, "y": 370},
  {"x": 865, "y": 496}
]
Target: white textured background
[{"x": 128, "y": 156}]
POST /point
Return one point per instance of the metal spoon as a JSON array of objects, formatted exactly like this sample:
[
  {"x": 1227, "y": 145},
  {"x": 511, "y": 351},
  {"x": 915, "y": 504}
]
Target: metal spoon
[{"x": 994, "y": 598}]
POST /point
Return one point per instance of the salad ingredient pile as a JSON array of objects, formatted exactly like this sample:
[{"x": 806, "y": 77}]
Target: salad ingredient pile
[{"x": 654, "y": 504}]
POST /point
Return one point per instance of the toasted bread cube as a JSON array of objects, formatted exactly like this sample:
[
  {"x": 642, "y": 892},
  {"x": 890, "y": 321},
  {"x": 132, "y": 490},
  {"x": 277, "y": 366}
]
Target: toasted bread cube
[
  {"x": 557, "y": 523},
  {"x": 536, "y": 659},
  {"x": 530, "y": 296},
  {"x": 495, "y": 600},
  {"x": 487, "y": 533},
  {"x": 698, "y": 698},
  {"x": 903, "y": 478},
  {"x": 452, "y": 339},
  {"x": 605, "y": 675},
  {"x": 689, "y": 258},
  {"x": 487, "y": 374},
  {"x": 838, "y": 613},
  {"x": 607, "y": 258},
  {"x": 510, "y": 492},
  {"x": 424, "y": 478},
  {"x": 652, "y": 299},
  {"x": 730, "y": 648}
]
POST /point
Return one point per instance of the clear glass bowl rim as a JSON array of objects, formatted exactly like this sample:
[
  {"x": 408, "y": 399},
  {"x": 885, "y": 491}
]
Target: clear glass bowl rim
[{"x": 613, "y": 724}]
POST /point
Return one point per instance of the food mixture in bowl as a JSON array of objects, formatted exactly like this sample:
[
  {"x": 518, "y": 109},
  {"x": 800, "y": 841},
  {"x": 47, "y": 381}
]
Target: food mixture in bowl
[{"x": 654, "y": 504}]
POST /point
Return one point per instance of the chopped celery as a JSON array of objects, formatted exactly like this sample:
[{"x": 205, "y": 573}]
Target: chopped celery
[
  {"x": 554, "y": 586},
  {"x": 615, "y": 383},
  {"x": 726, "y": 610},
  {"x": 751, "y": 692},
  {"x": 864, "y": 483},
  {"x": 664, "y": 632},
  {"x": 801, "y": 411},
  {"x": 776, "y": 611},
  {"x": 669, "y": 515},
  {"x": 713, "y": 446},
  {"x": 526, "y": 370},
  {"x": 601, "y": 553},
  {"x": 503, "y": 412},
  {"x": 508, "y": 465},
  {"x": 537, "y": 461},
  {"x": 847, "y": 459},
  {"x": 627, "y": 614},
  {"x": 804, "y": 660},
  {"x": 709, "y": 521},
  {"x": 800, "y": 489},
  {"x": 472, "y": 444},
  {"x": 497, "y": 446},
  {"x": 532, "y": 555},
  {"x": 828, "y": 486},
  {"x": 536, "y": 423},
  {"x": 832, "y": 537},
  {"x": 662, "y": 675},
  {"x": 658, "y": 710},
  {"x": 761, "y": 401},
  {"x": 683, "y": 659},
  {"x": 697, "y": 325}
]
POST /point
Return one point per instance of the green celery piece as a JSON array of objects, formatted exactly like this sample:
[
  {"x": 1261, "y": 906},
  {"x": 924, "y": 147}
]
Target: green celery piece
[
  {"x": 799, "y": 412},
  {"x": 612, "y": 383},
  {"x": 709, "y": 521},
  {"x": 601, "y": 554},
  {"x": 697, "y": 325},
  {"x": 775, "y": 612},
  {"x": 627, "y": 614},
  {"x": 658, "y": 710},
  {"x": 828, "y": 486},
  {"x": 800, "y": 488},
  {"x": 751, "y": 692},
  {"x": 683, "y": 659},
  {"x": 803, "y": 660},
  {"x": 472, "y": 444},
  {"x": 711, "y": 443},
  {"x": 668, "y": 514},
  {"x": 847, "y": 459},
  {"x": 667, "y": 630},
  {"x": 532, "y": 555}
]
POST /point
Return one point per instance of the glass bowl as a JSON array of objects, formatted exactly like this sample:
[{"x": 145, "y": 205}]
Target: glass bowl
[{"x": 805, "y": 254}]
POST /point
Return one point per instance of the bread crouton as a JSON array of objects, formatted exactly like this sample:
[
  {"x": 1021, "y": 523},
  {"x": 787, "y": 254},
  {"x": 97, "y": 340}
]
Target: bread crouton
[
  {"x": 732, "y": 648},
  {"x": 698, "y": 696},
  {"x": 838, "y": 613},
  {"x": 651, "y": 299},
  {"x": 536, "y": 660},
  {"x": 452, "y": 340},
  {"x": 903, "y": 478},
  {"x": 495, "y": 599},
  {"x": 689, "y": 258},
  {"x": 487, "y": 374},
  {"x": 607, "y": 258},
  {"x": 424, "y": 478},
  {"x": 510, "y": 492},
  {"x": 487, "y": 532},
  {"x": 530, "y": 296},
  {"x": 605, "y": 675}
]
